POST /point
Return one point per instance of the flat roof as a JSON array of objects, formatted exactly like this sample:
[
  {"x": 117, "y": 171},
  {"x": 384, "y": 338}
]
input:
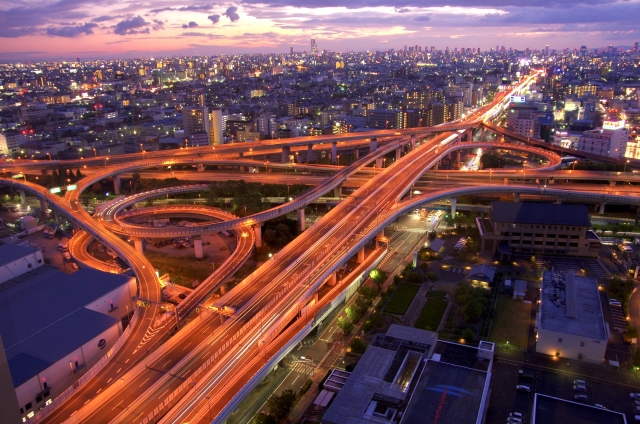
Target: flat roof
[
  {"x": 549, "y": 409},
  {"x": 540, "y": 213},
  {"x": 446, "y": 393},
  {"x": 12, "y": 252},
  {"x": 571, "y": 305},
  {"x": 43, "y": 315}
]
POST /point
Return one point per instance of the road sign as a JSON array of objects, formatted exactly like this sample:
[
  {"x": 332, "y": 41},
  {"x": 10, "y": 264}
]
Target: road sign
[
  {"x": 54, "y": 190},
  {"x": 71, "y": 187}
]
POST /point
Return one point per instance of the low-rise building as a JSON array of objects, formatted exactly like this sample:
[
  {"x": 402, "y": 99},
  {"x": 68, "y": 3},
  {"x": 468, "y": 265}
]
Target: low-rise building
[
  {"x": 538, "y": 229},
  {"x": 16, "y": 260},
  {"x": 570, "y": 322}
]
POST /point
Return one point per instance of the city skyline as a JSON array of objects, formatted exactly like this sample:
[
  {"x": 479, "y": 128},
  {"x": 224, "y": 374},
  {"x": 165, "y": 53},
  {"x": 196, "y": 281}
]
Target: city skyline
[{"x": 67, "y": 29}]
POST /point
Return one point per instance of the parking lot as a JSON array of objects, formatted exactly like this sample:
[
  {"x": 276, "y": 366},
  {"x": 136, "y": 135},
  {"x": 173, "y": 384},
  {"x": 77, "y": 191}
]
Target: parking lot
[
  {"x": 553, "y": 382},
  {"x": 580, "y": 266}
]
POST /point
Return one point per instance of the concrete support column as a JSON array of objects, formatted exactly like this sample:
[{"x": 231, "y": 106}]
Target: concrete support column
[
  {"x": 334, "y": 152},
  {"x": 612, "y": 183},
  {"x": 332, "y": 279},
  {"x": 470, "y": 134},
  {"x": 257, "y": 231},
  {"x": 310, "y": 156},
  {"x": 602, "y": 206},
  {"x": 197, "y": 245},
  {"x": 286, "y": 151},
  {"x": 200, "y": 167},
  {"x": 379, "y": 163},
  {"x": 482, "y": 130},
  {"x": 43, "y": 207},
  {"x": 459, "y": 138},
  {"x": 413, "y": 142},
  {"x": 458, "y": 157},
  {"x": 436, "y": 166},
  {"x": 116, "y": 184},
  {"x": 373, "y": 145},
  {"x": 357, "y": 153},
  {"x": 337, "y": 191},
  {"x": 380, "y": 235},
  {"x": 241, "y": 155},
  {"x": 361, "y": 255},
  {"x": 398, "y": 153},
  {"x": 558, "y": 201},
  {"x": 301, "y": 219},
  {"x": 454, "y": 203},
  {"x": 23, "y": 197},
  {"x": 516, "y": 197},
  {"x": 56, "y": 215},
  {"x": 137, "y": 242}
]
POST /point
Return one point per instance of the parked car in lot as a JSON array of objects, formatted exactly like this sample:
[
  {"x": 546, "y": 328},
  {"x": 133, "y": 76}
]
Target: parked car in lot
[
  {"x": 634, "y": 395},
  {"x": 514, "y": 420},
  {"x": 636, "y": 417},
  {"x": 523, "y": 388},
  {"x": 580, "y": 382},
  {"x": 580, "y": 388},
  {"x": 515, "y": 414},
  {"x": 580, "y": 398},
  {"x": 599, "y": 405}
]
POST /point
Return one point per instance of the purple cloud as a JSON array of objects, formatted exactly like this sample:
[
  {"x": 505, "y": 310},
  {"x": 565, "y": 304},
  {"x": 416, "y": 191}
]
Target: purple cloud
[
  {"x": 214, "y": 18},
  {"x": 71, "y": 31},
  {"x": 190, "y": 25},
  {"x": 130, "y": 26},
  {"x": 231, "y": 13},
  {"x": 192, "y": 8}
]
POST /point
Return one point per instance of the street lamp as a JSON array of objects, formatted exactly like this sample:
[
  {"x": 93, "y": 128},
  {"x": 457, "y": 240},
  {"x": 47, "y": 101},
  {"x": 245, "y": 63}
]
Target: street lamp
[
  {"x": 49, "y": 154},
  {"x": 94, "y": 153},
  {"x": 73, "y": 374},
  {"x": 490, "y": 174}
]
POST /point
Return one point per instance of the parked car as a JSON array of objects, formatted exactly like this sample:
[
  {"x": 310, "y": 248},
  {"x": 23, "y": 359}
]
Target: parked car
[
  {"x": 636, "y": 417},
  {"x": 580, "y": 382},
  {"x": 634, "y": 395},
  {"x": 580, "y": 388},
  {"x": 580, "y": 398},
  {"x": 182, "y": 296},
  {"x": 515, "y": 414},
  {"x": 523, "y": 388},
  {"x": 599, "y": 405},
  {"x": 514, "y": 420},
  {"x": 614, "y": 302}
]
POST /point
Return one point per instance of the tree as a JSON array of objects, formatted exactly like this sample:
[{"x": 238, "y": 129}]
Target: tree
[
  {"x": 378, "y": 277},
  {"x": 264, "y": 419},
  {"x": 136, "y": 182},
  {"x": 78, "y": 174},
  {"x": 358, "y": 346},
  {"x": 468, "y": 335},
  {"x": 280, "y": 405},
  {"x": 472, "y": 311},
  {"x": 353, "y": 312},
  {"x": 346, "y": 325}
]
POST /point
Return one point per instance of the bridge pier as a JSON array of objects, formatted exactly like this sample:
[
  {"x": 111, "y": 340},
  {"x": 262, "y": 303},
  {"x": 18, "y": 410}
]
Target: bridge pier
[
  {"x": 332, "y": 280},
  {"x": 334, "y": 153},
  {"x": 116, "y": 184},
  {"x": 301, "y": 219},
  {"x": 398, "y": 153},
  {"x": 56, "y": 215},
  {"x": 454, "y": 203},
  {"x": 558, "y": 201},
  {"x": 413, "y": 142},
  {"x": 470, "y": 134},
  {"x": 310, "y": 156},
  {"x": 44, "y": 208},
  {"x": 380, "y": 235},
  {"x": 257, "y": 231},
  {"x": 337, "y": 191},
  {"x": 23, "y": 197},
  {"x": 356, "y": 153},
  {"x": 197, "y": 246},
  {"x": 602, "y": 206},
  {"x": 436, "y": 166},
  {"x": 137, "y": 242},
  {"x": 361, "y": 255},
  {"x": 612, "y": 183},
  {"x": 286, "y": 151},
  {"x": 458, "y": 157},
  {"x": 459, "y": 140},
  {"x": 516, "y": 197},
  {"x": 373, "y": 145},
  {"x": 379, "y": 163},
  {"x": 482, "y": 130},
  {"x": 200, "y": 167}
]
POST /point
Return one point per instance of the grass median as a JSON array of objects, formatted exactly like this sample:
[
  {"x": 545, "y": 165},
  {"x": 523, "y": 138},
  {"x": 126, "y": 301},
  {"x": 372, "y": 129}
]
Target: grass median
[
  {"x": 182, "y": 269},
  {"x": 431, "y": 314}
]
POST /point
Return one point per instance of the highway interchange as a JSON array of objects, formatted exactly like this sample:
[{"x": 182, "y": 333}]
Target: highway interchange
[{"x": 207, "y": 363}]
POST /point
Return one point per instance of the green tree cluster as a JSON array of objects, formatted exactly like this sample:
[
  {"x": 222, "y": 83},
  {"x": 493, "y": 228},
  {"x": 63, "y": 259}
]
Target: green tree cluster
[
  {"x": 472, "y": 299},
  {"x": 280, "y": 405}
]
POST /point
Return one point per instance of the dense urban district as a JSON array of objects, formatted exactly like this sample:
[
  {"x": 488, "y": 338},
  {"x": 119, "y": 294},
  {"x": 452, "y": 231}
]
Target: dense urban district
[{"x": 400, "y": 236}]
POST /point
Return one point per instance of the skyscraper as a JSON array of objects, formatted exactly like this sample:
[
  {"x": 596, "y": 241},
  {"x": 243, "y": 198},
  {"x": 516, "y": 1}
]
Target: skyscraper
[
  {"x": 314, "y": 47},
  {"x": 290, "y": 49},
  {"x": 195, "y": 119}
]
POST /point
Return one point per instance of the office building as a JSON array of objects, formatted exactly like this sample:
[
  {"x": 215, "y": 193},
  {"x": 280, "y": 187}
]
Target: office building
[
  {"x": 570, "y": 322},
  {"x": 195, "y": 119},
  {"x": 610, "y": 140},
  {"x": 407, "y": 375},
  {"x": 314, "y": 46},
  {"x": 386, "y": 119},
  {"x": 523, "y": 119},
  {"x": 538, "y": 229},
  {"x": 217, "y": 127},
  {"x": 56, "y": 326}
]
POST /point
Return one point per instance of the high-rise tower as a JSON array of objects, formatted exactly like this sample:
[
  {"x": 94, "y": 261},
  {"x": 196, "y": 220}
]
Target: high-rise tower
[{"x": 314, "y": 47}]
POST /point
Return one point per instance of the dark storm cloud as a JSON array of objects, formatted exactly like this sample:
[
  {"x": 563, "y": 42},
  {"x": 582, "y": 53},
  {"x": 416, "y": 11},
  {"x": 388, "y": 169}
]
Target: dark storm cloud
[
  {"x": 231, "y": 13},
  {"x": 190, "y": 25},
  {"x": 135, "y": 25},
  {"x": 214, "y": 18},
  {"x": 71, "y": 30}
]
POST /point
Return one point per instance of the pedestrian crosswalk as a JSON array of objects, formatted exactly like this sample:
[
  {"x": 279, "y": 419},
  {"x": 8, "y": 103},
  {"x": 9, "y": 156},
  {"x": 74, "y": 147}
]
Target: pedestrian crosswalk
[
  {"x": 410, "y": 230},
  {"x": 303, "y": 368}
]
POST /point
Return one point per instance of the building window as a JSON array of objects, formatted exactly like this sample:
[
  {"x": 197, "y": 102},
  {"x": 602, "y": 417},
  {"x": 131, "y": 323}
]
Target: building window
[
  {"x": 581, "y": 344},
  {"x": 27, "y": 406},
  {"x": 560, "y": 340},
  {"x": 28, "y": 265},
  {"x": 39, "y": 261}
]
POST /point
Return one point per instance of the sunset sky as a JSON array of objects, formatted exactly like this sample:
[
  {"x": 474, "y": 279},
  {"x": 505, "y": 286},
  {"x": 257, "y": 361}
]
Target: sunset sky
[{"x": 63, "y": 30}]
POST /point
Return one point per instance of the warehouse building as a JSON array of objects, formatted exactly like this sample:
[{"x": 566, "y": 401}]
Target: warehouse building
[
  {"x": 570, "y": 322},
  {"x": 56, "y": 326},
  {"x": 16, "y": 260}
]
